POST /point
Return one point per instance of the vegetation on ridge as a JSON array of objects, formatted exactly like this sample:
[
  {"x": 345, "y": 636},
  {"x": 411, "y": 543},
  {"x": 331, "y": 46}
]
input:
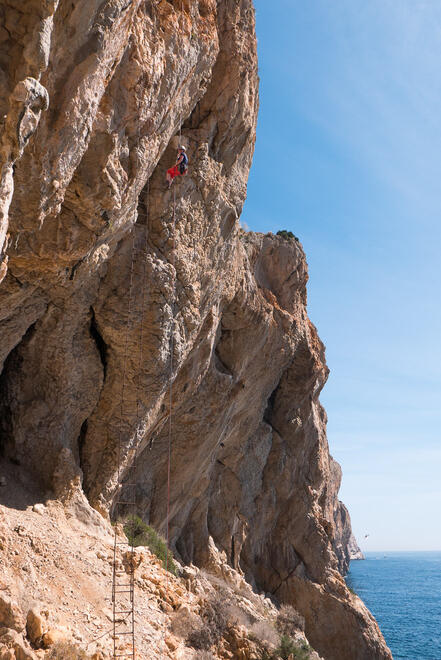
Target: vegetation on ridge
[
  {"x": 287, "y": 235},
  {"x": 288, "y": 649},
  {"x": 139, "y": 533}
]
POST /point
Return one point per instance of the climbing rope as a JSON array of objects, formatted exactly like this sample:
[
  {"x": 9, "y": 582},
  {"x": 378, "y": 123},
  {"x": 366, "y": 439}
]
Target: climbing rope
[
  {"x": 129, "y": 588},
  {"x": 170, "y": 417},
  {"x": 144, "y": 300}
]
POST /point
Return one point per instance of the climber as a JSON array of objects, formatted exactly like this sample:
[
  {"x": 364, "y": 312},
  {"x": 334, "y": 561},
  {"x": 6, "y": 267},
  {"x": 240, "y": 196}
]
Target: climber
[{"x": 180, "y": 167}]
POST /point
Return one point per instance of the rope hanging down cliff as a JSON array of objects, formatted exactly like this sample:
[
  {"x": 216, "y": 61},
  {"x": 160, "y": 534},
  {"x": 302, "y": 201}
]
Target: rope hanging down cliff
[
  {"x": 123, "y": 578},
  {"x": 177, "y": 167},
  {"x": 170, "y": 427}
]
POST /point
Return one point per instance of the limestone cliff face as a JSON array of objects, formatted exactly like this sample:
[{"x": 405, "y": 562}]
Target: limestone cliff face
[{"x": 113, "y": 286}]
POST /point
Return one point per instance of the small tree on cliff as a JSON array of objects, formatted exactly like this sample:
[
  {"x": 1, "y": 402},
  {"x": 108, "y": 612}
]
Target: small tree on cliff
[{"x": 287, "y": 235}]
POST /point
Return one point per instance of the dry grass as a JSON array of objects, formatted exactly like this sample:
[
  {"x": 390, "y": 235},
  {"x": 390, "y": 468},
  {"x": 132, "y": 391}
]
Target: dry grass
[
  {"x": 66, "y": 651},
  {"x": 238, "y": 616},
  {"x": 263, "y": 631},
  {"x": 214, "y": 616},
  {"x": 184, "y": 622},
  {"x": 289, "y": 621}
]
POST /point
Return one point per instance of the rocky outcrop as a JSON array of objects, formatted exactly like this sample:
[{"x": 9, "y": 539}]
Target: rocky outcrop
[
  {"x": 344, "y": 543},
  {"x": 354, "y": 551},
  {"x": 115, "y": 289},
  {"x": 63, "y": 594}
]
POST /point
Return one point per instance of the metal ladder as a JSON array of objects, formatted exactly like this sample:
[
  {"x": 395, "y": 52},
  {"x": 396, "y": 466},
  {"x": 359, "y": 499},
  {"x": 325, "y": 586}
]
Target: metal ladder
[
  {"x": 123, "y": 583},
  {"x": 123, "y": 574}
]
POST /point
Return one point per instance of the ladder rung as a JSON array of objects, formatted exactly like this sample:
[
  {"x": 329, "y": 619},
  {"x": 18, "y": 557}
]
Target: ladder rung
[
  {"x": 128, "y": 653},
  {"x": 124, "y": 612},
  {"x": 129, "y": 632}
]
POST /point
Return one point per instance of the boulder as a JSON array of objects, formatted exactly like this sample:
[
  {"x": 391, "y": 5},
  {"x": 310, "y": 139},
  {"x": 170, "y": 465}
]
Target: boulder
[
  {"x": 52, "y": 637},
  {"x": 13, "y": 641},
  {"x": 34, "y": 627},
  {"x": 11, "y": 615}
]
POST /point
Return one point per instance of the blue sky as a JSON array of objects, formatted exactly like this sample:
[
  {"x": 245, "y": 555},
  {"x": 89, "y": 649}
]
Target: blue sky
[{"x": 348, "y": 157}]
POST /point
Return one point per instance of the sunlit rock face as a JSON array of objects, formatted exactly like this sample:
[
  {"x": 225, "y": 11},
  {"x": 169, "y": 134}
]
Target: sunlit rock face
[{"x": 113, "y": 288}]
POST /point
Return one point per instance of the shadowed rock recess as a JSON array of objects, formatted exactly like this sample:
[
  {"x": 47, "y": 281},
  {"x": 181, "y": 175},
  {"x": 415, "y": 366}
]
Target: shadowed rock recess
[{"x": 93, "y": 97}]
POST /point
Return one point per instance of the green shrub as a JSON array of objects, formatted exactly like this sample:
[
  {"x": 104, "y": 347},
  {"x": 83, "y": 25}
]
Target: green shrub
[
  {"x": 303, "y": 652},
  {"x": 66, "y": 651},
  {"x": 287, "y": 235},
  {"x": 288, "y": 647},
  {"x": 139, "y": 533}
]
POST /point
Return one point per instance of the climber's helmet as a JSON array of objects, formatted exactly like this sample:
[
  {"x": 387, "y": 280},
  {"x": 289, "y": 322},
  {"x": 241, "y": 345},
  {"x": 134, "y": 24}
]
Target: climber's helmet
[{"x": 181, "y": 148}]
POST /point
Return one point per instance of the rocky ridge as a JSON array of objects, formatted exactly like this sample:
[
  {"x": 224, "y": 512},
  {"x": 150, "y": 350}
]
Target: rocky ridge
[
  {"x": 113, "y": 287},
  {"x": 55, "y": 590}
]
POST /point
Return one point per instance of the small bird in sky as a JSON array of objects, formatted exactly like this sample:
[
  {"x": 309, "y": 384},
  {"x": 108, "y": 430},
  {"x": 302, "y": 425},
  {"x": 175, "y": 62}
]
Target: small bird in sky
[{"x": 366, "y": 535}]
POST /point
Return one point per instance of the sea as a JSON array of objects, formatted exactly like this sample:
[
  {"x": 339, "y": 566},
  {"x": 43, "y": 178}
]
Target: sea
[{"x": 403, "y": 592}]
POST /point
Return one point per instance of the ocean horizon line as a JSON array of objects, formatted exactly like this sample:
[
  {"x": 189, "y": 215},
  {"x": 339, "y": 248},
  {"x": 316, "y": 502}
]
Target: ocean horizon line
[{"x": 398, "y": 551}]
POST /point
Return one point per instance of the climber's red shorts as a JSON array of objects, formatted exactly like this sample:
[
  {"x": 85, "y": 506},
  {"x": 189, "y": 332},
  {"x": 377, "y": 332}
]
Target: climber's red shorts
[{"x": 174, "y": 171}]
